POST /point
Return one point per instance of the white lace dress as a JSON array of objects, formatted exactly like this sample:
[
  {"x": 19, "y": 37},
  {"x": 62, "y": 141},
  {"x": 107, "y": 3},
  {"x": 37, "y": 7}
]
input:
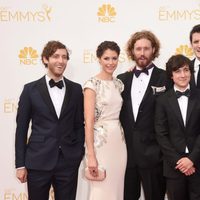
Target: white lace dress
[{"x": 109, "y": 140}]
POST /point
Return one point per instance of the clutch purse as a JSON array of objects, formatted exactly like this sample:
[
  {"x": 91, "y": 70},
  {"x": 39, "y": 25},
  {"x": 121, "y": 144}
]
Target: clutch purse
[{"x": 101, "y": 174}]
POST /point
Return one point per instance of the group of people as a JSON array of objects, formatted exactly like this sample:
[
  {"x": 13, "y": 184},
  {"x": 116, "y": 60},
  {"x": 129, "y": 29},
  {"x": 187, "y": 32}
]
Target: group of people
[{"x": 142, "y": 127}]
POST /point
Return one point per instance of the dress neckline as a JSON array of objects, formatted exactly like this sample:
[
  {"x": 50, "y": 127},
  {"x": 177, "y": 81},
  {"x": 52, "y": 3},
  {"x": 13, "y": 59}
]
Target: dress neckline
[{"x": 104, "y": 79}]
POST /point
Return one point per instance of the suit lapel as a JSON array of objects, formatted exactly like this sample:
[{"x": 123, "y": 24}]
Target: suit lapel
[
  {"x": 192, "y": 81},
  {"x": 128, "y": 88},
  {"x": 175, "y": 106},
  {"x": 42, "y": 87},
  {"x": 153, "y": 80},
  {"x": 191, "y": 104},
  {"x": 66, "y": 97}
]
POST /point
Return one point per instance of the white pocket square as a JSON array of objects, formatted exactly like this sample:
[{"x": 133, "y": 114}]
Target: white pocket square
[{"x": 158, "y": 89}]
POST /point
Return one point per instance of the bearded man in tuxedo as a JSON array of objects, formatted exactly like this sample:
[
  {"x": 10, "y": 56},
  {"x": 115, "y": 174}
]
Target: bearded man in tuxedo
[{"x": 142, "y": 86}]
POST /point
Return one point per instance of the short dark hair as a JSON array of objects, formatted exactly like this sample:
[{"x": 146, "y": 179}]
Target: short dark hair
[
  {"x": 177, "y": 61},
  {"x": 143, "y": 35},
  {"x": 50, "y": 48},
  {"x": 105, "y": 46},
  {"x": 195, "y": 29}
]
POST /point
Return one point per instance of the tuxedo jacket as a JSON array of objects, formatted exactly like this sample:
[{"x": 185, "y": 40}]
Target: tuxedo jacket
[
  {"x": 48, "y": 132},
  {"x": 173, "y": 136},
  {"x": 142, "y": 147},
  {"x": 192, "y": 81}
]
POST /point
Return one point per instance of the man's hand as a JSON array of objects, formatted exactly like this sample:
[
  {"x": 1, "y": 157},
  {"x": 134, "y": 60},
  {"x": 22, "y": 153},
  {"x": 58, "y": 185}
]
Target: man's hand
[
  {"x": 184, "y": 164},
  {"x": 130, "y": 69},
  {"x": 21, "y": 174},
  {"x": 190, "y": 171}
]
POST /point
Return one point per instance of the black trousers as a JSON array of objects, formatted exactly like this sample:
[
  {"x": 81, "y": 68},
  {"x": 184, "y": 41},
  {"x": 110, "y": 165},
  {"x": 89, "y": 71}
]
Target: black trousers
[
  {"x": 63, "y": 179},
  {"x": 152, "y": 180},
  {"x": 184, "y": 188}
]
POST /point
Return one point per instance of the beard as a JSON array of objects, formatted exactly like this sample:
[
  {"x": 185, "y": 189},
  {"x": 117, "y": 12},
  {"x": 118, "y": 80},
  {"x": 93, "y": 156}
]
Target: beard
[{"x": 143, "y": 61}]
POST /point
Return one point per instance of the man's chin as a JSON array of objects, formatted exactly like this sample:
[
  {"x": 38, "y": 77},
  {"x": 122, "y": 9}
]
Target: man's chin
[
  {"x": 141, "y": 65},
  {"x": 58, "y": 75}
]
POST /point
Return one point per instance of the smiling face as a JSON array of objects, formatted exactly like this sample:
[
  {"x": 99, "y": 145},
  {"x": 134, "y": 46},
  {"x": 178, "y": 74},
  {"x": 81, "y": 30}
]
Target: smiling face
[
  {"x": 109, "y": 61},
  {"x": 181, "y": 77},
  {"x": 143, "y": 52},
  {"x": 56, "y": 64}
]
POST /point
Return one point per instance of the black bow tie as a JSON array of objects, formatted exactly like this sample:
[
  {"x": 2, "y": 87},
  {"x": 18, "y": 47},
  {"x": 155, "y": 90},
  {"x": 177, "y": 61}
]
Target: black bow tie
[
  {"x": 186, "y": 93},
  {"x": 137, "y": 72},
  {"x": 58, "y": 84}
]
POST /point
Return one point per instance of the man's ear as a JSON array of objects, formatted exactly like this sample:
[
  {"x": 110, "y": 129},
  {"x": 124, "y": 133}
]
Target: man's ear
[{"x": 45, "y": 60}]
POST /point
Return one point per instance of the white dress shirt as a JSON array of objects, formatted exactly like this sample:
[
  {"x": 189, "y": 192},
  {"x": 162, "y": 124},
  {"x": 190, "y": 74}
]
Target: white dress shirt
[
  {"x": 196, "y": 69},
  {"x": 138, "y": 89},
  {"x": 57, "y": 95},
  {"x": 183, "y": 104}
]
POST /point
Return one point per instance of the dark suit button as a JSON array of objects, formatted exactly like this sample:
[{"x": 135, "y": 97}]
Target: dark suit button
[{"x": 60, "y": 150}]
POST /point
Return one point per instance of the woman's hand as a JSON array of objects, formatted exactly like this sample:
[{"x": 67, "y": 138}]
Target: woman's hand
[{"x": 92, "y": 165}]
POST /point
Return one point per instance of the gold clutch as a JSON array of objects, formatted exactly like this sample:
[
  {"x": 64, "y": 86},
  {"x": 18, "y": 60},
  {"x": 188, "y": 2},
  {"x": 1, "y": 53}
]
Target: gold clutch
[{"x": 101, "y": 174}]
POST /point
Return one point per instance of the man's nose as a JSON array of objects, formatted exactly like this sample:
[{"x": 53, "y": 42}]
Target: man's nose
[
  {"x": 142, "y": 51},
  {"x": 183, "y": 73},
  {"x": 60, "y": 59}
]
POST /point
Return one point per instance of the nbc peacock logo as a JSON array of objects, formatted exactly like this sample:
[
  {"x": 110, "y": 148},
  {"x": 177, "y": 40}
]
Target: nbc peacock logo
[
  {"x": 106, "y": 13},
  {"x": 185, "y": 50},
  {"x": 28, "y": 56}
]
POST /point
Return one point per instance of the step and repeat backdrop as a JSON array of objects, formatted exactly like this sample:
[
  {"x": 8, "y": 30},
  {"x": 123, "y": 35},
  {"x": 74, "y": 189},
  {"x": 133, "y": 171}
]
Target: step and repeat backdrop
[{"x": 26, "y": 26}]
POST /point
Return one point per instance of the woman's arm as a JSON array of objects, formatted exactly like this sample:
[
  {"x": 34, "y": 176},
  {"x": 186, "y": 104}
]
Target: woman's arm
[{"x": 89, "y": 115}]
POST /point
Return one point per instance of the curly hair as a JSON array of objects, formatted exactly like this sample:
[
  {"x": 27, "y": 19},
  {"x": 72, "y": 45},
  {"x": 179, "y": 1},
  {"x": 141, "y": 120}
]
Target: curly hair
[
  {"x": 50, "y": 48},
  {"x": 105, "y": 46},
  {"x": 143, "y": 35}
]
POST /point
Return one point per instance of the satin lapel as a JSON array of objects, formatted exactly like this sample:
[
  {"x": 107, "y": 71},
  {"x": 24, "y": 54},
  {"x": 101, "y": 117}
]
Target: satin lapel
[
  {"x": 191, "y": 104},
  {"x": 66, "y": 97},
  {"x": 175, "y": 106},
  {"x": 192, "y": 81},
  {"x": 128, "y": 85},
  {"x": 42, "y": 87},
  {"x": 153, "y": 80}
]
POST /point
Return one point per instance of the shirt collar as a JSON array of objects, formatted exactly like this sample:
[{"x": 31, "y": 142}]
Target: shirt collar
[
  {"x": 47, "y": 78},
  {"x": 196, "y": 63},
  {"x": 176, "y": 89}
]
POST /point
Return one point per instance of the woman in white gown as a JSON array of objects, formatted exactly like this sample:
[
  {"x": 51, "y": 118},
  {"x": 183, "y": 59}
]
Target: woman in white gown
[{"x": 105, "y": 144}]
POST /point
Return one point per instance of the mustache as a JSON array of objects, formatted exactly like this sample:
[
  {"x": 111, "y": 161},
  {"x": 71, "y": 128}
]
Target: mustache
[{"x": 142, "y": 57}]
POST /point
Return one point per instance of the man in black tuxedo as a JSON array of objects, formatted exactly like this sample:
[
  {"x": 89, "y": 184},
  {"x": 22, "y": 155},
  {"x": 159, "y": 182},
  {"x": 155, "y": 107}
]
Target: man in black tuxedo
[
  {"x": 195, "y": 44},
  {"x": 52, "y": 154},
  {"x": 142, "y": 86},
  {"x": 177, "y": 124}
]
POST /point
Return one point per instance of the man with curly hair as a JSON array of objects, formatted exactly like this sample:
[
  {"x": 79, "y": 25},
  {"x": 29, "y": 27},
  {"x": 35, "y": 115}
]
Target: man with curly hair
[{"x": 142, "y": 86}]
